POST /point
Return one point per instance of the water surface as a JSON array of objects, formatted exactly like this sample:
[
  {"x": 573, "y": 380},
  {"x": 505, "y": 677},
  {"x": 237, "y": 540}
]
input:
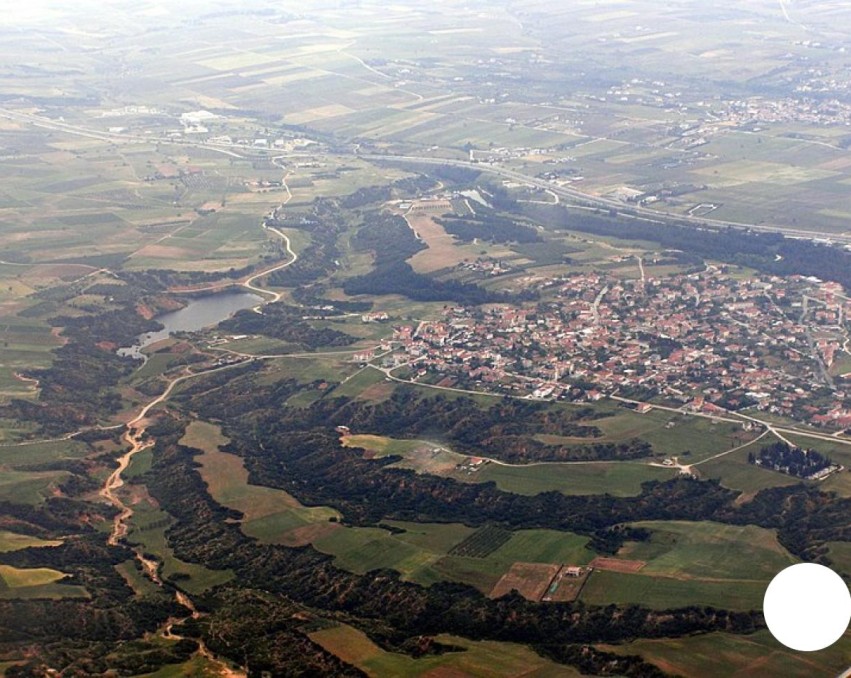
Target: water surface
[{"x": 199, "y": 313}]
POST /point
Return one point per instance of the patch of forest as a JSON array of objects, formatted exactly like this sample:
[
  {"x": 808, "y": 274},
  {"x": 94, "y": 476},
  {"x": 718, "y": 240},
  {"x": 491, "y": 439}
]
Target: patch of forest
[
  {"x": 270, "y": 630},
  {"x": 793, "y": 461},
  {"x": 506, "y": 430},
  {"x": 286, "y": 323},
  {"x": 406, "y": 187},
  {"x": 312, "y": 295},
  {"x": 317, "y": 260},
  {"x": 489, "y": 227},
  {"x": 78, "y": 389},
  {"x": 88, "y": 636},
  {"x": 391, "y": 241},
  {"x": 769, "y": 252}
]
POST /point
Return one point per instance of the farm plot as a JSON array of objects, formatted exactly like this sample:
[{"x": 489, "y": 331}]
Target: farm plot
[
  {"x": 690, "y": 563},
  {"x": 530, "y": 580},
  {"x": 40, "y": 582},
  {"x": 482, "y": 542},
  {"x": 722, "y": 654},
  {"x": 473, "y": 658}
]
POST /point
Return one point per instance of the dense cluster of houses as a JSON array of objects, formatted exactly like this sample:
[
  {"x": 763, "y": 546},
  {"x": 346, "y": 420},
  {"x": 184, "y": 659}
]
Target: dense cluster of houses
[{"x": 707, "y": 339}]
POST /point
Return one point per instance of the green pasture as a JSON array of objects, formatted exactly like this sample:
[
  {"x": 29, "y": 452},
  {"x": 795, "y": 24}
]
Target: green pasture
[
  {"x": 147, "y": 529},
  {"x": 709, "y": 550},
  {"x": 662, "y": 593},
  {"x": 23, "y": 456},
  {"x": 39, "y": 582},
  {"x": 724, "y": 654},
  {"x": 621, "y": 479},
  {"x": 22, "y": 487},
  {"x": 734, "y": 471},
  {"x": 474, "y": 658},
  {"x": 14, "y": 541}
]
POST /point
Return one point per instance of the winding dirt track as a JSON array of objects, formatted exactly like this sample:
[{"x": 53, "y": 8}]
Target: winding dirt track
[{"x": 135, "y": 436}]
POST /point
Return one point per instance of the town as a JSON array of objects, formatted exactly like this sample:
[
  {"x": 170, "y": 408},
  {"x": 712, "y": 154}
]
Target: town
[{"x": 707, "y": 340}]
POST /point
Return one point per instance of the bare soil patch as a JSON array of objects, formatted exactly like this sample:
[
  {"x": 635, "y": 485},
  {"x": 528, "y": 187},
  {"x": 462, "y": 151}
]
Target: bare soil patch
[
  {"x": 530, "y": 580},
  {"x": 307, "y": 534},
  {"x": 165, "y": 252},
  {"x": 62, "y": 271},
  {"x": 376, "y": 393},
  {"x": 617, "y": 564},
  {"x": 443, "y": 250}
]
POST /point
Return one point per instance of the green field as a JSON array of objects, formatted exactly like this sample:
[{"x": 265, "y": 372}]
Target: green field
[
  {"x": 581, "y": 478},
  {"x": 29, "y": 487},
  {"x": 709, "y": 550},
  {"x": 38, "y": 582},
  {"x": 13, "y": 541},
  {"x": 419, "y": 554},
  {"x": 147, "y": 528},
  {"x": 734, "y": 471},
  {"x": 661, "y": 593},
  {"x": 839, "y": 553},
  {"x": 621, "y": 479},
  {"x": 33, "y": 454},
  {"x": 694, "y": 563},
  {"x": 751, "y": 656},
  {"x": 478, "y": 658},
  {"x": 268, "y": 514},
  {"x": 197, "y": 667}
]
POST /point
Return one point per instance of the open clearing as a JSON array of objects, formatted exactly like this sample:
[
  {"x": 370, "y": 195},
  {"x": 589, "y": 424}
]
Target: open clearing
[
  {"x": 37, "y": 582},
  {"x": 486, "y": 659},
  {"x": 616, "y": 564},
  {"x": 269, "y": 514},
  {"x": 443, "y": 250},
  {"x": 690, "y": 563},
  {"x": 12, "y": 541},
  {"x": 751, "y": 656},
  {"x": 530, "y": 580},
  {"x": 14, "y": 577}
]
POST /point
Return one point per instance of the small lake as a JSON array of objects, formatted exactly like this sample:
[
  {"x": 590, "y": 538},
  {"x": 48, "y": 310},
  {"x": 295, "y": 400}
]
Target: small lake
[{"x": 198, "y": 314}]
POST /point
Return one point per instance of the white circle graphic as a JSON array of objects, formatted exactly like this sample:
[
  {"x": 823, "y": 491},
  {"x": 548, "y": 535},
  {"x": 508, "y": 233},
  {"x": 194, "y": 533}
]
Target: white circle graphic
[{"x": 807, "y": 607}]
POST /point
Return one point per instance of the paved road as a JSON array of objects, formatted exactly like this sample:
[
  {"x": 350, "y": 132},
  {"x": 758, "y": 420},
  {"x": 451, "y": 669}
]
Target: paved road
[{"x": 625, "y": 211}]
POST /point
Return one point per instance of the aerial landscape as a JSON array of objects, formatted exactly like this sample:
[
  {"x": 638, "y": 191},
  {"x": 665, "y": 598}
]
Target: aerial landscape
[{"x": 498, "y": 338}]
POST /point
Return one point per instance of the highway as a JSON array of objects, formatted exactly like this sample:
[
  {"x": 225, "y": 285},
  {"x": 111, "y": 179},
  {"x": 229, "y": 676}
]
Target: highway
[
  {"x": 625, "y": 211},
  {"x": 636, "y": 212}
]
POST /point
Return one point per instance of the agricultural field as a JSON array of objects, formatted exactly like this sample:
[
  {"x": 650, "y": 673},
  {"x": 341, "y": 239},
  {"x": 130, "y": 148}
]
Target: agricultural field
[
  {"x": 13, "y": 541},
  {"x": 530, "y": 580},
  {"x": 474, "y": 658},
  {"x": 36, "y": 583},
  {"x": 617, "y": 478},
  {"x": 727, "y": 655},
  {"x": 147, "y": 529},
  {"x": 706, "y": 563},
  {"x": 422, "y": 552},
  {"x": 622, "y": 479},
  {"x": 268, "y": 514}
]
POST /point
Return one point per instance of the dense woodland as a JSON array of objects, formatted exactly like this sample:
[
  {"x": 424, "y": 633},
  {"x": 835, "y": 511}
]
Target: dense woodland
[
  {"x": 285, "y": 323},
  {"x": 769, "y": 252},
  {"x": 391, "y": 241},
  {"x": 793, "y": 461},
  {"x": 489, "y": 226}
]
